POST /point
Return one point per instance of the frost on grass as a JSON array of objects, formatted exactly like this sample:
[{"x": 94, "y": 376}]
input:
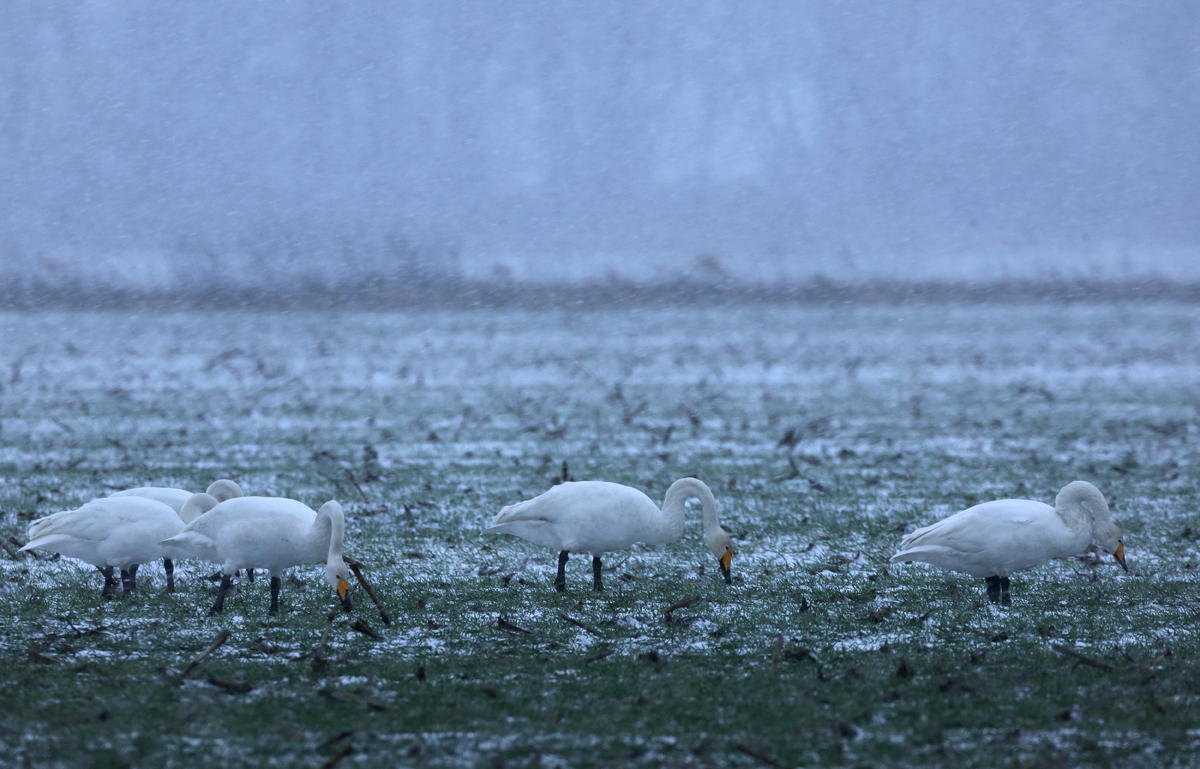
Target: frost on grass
[{"x": 825, "y": 433}]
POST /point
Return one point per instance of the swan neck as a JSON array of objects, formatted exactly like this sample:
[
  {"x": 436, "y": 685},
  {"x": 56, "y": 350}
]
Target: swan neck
[
  {"x": 331, "y": 524},
  {"x": 680, "y": 492}
]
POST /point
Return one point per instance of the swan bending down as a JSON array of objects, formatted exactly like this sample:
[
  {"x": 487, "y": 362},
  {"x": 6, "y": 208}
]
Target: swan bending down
[
  {"x": 597, "y": 517},
  {"x": 121, "y": 532},
  {"x": 994, "y": 539},
  {"x": 271, "y": 533},
  {"x": 220, "y": 490}
]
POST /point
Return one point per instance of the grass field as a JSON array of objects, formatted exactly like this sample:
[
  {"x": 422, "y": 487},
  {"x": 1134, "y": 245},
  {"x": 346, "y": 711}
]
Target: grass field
[{"x": 425, "y": 424}]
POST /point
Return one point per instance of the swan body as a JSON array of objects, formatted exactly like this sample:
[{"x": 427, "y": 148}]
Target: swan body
[
  {"x": 271, "y": 533},
  {"x": 121, "y": 532},
  {"x": 598, "y": 517},
  {"x": 994, "y": 539},
  {"x": 221, "y": 490}
]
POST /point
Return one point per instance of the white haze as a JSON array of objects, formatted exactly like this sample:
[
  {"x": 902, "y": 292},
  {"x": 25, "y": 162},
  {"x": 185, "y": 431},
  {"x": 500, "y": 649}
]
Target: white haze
[{"x": 156, "y": 145}]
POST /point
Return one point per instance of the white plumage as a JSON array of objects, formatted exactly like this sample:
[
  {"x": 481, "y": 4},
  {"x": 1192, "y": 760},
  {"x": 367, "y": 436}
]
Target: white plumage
[
  {"x": 120, "y": 532},
  {"x": 114, "y": 532},
  {"x": 598, "y": 517},
  {"x": 994, "y": 539},
  {"x": 271, "y": 533}
]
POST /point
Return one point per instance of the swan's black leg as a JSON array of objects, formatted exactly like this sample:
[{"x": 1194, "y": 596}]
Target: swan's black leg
[
  {"x": 993, "y": 589},
  {"x": 1004, "y": 599},
  {"x": 597, "y": 581},
  {"x": 169, "y": 568},
  {"x": 250, "y": 575},
  {"x": 560, "y": 582},
  {"x": 129, "y": 579},
  {"x": 274, "y": 594},
  {"x": 226, "y": 584},
  {"x": 109, "y": 582}
]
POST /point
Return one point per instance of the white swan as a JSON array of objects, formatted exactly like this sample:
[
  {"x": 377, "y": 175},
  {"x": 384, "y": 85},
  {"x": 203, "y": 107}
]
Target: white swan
[
  {"x": 271, "y": 533},
  {"x": 220, "y": 490},
  {"x": 994, "y": 539},
  {"x": 121, "y": 532},
  {"x": 597, "y": 517}
]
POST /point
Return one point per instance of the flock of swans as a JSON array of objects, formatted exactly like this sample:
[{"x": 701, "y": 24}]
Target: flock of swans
[{"x": 222, "y": 526}]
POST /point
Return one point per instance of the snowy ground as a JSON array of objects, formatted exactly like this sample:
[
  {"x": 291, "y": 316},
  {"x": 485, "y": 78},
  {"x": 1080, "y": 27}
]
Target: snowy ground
[{"x": 424, "y": 424}]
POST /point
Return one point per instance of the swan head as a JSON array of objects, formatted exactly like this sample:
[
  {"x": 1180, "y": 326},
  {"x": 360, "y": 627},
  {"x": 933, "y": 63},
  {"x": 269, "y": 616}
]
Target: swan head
[
  {"x": 337, "y": 574},
  {"x": 196, "y": 506},
  {"x": 1107, "y": 533},
  {"x": 721, "y": 546},
  {"x": 224, "y": 489}
]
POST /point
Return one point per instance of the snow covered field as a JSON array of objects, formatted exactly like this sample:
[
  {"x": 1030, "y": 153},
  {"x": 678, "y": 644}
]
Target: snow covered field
[{"x": 824, "y": 433}]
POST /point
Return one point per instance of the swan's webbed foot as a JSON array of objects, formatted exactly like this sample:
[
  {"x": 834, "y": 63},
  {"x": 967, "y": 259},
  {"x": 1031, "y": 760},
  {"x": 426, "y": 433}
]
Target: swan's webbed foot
[
  {"x": 169, "y": 568},
  {"x": 129, "y": 579},
  {"x": 110, "y": 584},
  {"x": 560, "y": 582},
  {"x": 1004, "y": 599},
  {"x": 274, "y": 594},
  {"x": 993, "y": 589},
  {"x": 226, "y": 584},
  {"x": 597, "y": 580}
]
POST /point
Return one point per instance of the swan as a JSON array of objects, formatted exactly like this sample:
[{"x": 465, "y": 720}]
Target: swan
[
  {"x": 120, "y": 532},
  {"x": 271, "y": 533},
  {"x": 597, "y": 517},
  {"x": 220, "y": 490},
  {"x": 994, "y": 539}
]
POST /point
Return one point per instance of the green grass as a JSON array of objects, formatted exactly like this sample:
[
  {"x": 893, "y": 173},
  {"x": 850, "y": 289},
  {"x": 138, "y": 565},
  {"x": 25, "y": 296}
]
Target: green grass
[{"x": 901, "y": 415}]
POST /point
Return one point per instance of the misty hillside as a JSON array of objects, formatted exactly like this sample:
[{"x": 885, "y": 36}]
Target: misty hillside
[{"x": 177, "y": 147}]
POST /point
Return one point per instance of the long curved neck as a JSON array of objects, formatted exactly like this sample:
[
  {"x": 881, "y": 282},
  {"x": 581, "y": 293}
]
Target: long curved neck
[
  {"x": 1083, "y": 511},
  {"x": 330, "y": 526},
  {"x": 680, "y": 492}
]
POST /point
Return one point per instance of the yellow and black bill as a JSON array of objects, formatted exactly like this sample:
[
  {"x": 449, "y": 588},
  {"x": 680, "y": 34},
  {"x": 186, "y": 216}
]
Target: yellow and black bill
[
  {"x": 1120, "y": 555},
  {"x": 726, "y": 559},
  {"x": 343, "y": 591}
]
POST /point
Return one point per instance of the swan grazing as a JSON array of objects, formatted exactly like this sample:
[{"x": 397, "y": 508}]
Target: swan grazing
[
  {"x": 994, "y": 539},
  {"x": 121, "y": 532},
  {"x": 597, "y": 517},
  {"x": 220, "y": 490},
  {"x": 271, "y": 533}
]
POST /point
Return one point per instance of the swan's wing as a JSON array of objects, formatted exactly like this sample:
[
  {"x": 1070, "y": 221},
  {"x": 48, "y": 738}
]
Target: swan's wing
[
  {"x": 172, "y": 498},
  {"x": 976, "y": 530},
  {"x": 92, "y": 522},
  {"x": 582, "y": 516},
  {"x": 574, "y": 500}
]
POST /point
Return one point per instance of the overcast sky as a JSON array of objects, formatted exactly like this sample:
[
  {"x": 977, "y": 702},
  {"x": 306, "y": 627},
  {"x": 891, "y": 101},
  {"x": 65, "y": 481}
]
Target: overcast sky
[{"x": 855, "y": 139}]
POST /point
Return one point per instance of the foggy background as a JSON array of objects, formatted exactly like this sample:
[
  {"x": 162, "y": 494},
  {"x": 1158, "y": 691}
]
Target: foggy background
[{"x": 178, "y": 147}]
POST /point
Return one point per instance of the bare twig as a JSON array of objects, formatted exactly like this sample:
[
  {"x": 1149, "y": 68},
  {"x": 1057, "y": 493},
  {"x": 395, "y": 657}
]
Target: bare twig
[
  {"x": 775, "y": 655},
  {"x": 1081, "y": 657},
  {"x": 365, "y": 629},
  {"x": 232, "y": 686},
  {"x": 509, "y": 627},
  {"x": 335, "y": 739},
  {"x": 682, "y": 603},
  {"x": 350, "y": 475},
  {"x": 1157, "y": 659},
  {"x": 599, "y": 655},
  {"x": 749, "y": 751},
  {"x": 336, "y": 758},
  {"x": 318, "y": 653},
  {"x": 20, "y": 545},
  {"x": 356, "y": 567},
  {"x": 578, "y": 624},
  {"x": 10, "y": 551},
  {"x": 221, "y": 638}
]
